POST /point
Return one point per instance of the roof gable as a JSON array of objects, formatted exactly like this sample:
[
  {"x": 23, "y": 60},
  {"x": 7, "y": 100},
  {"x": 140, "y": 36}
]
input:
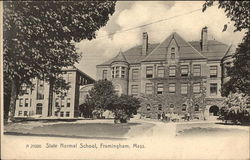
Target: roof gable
[{"x": 186, "y": 51}]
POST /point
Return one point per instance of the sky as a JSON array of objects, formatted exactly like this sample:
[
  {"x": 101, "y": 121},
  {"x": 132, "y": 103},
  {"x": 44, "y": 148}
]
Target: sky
[{"x": 184, "y": 17}]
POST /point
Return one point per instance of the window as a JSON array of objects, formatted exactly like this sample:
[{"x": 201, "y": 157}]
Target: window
[
  {"x": 68, "y": 102},
  {"x": 172, "y": 88},
  {"x": 25, "y": 113},
  {"x": 159, "y": 88},
  {"x": 123, "y": 72},
  {"x": 113, "y": 72},
  {"x": 149, "y": 88},
  {"x": 20, "y": 113},
  {"x": 39, "y": 108},
  {"x": 148, "y": 107},
  {"x": 160, "y": 71},
  {"x": 184, "y": 70},
  {"x": 67, "y": 114},
  {"x": 61, "y": 114},
  {"x": 135, "y": 74},
  {"x": 172, "y": 55},
  {"x": 196, "y": 107},
  {"x": 172, "y": 71},
  {"x": 197, "y": 87},
  {"x": 213, "y": 88},
  {"x": 57, "y": 102},
  {"x": 117, "y": 72},
  {"x": 134, "y": 90},
  {"x": 171, "y": 105},
  {"x": 184, "y": 88},
  {"x": 172, "y": 50},
  {"x": 213, "y": 71},
  {"x": 160, "y": 107},
  {"x": 104, "y": 74},
  {"x": 184, "y": 107},
  {"x": 62, "y": 102},
  {"x": 26, "y": 102},
  {"x": 197, "y": 70},
  {"x": 40, "y": 90},
  {"x": 21, "y": 102},
  {"x": 149, "y": 72}
]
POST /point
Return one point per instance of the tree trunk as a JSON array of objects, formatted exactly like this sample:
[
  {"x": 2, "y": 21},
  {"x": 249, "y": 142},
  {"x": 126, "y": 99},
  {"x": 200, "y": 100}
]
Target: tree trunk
[
  {"x": 13, "y": 98},
  {"x": 50, "y": 104}
]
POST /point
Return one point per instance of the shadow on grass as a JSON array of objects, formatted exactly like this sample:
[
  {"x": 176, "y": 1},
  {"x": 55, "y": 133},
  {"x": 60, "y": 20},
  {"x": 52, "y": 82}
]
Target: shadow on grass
[
  {"x": 90, "y": 130},
  {"x": 63, "y": 136}
]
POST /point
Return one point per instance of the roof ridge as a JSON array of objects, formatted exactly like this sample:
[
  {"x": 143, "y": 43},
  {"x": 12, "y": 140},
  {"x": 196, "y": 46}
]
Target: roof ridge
[{"x": 191, "y": 46}]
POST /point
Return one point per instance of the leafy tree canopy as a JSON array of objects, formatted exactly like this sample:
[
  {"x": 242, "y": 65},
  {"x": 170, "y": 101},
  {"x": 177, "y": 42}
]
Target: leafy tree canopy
[
  {"x": 238, "y": 12},
  {"x": 102, "y": 95},
  {"x": 39, "y": 38},
  {"x": 240, "y": 71}
]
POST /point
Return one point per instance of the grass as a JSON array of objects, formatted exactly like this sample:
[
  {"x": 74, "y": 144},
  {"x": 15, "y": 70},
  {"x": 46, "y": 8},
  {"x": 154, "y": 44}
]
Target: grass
[
  {"x": 78, "y": 130},
  {"x": 208, "y": 130}
]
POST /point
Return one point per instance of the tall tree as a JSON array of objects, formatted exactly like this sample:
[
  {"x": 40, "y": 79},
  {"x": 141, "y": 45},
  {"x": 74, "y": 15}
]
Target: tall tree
[
  {"x": 238, "y": 12},
  {"x": 39, "y": 38},
  {"x": 240, "y": 71}
]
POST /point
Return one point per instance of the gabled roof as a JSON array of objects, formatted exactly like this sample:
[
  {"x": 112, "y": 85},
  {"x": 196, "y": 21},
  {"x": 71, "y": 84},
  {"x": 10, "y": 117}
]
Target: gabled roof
[
  {"x": 216, "y": 50},
  {"x": 186, "y": 51}
]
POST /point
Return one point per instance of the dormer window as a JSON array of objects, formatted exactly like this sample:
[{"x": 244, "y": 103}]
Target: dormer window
[
  {"x": 172, "y": 50},
  {"x": 172, "y": 55}
]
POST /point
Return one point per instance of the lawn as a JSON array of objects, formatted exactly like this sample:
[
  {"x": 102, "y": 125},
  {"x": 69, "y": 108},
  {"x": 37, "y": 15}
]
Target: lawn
[
  {"x": 84, "y": 130},
  {"x": 211, "y": 129}
]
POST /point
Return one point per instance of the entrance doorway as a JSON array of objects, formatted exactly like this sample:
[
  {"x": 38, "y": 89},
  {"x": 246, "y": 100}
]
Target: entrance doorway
[{"x": 214, "y": 110}]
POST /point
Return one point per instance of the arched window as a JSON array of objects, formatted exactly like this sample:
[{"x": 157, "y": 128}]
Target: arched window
[
  {"x": 160, "y": 107},
  {"x": 172, "y": 54},
  {"x": 148, "y": 107},
  {"x": 172, "y": 50},
  {"x": 39, "y": 108},
  {"x": 171, "y": 105},
  {"x": 196, "y": 107},
  {"x": 184, "y": 107}
]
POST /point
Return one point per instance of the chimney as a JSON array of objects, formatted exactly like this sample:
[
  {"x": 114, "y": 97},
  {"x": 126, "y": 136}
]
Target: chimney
[
  {"x": 204, "y": 47},
  {"x": 144, "y": 43}
]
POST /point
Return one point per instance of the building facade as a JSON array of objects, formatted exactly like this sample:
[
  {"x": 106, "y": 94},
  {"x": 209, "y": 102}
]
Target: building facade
[
  {"x": 34, "y": 102},
  {"x": 174, "y": 76}
]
